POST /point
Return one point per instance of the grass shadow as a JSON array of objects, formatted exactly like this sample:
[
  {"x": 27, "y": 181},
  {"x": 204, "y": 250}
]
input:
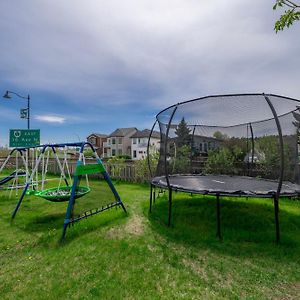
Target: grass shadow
[{"x": 247, "y": 225}]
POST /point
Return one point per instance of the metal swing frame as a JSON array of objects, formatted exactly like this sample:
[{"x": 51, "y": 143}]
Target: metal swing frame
[{"x": 69, "y": 218}]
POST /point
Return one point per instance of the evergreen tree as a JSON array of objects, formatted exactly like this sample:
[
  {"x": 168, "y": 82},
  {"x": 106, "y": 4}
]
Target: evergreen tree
[{"x": 183, "y": 134}]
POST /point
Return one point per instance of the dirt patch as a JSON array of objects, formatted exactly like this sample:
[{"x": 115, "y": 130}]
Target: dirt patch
[
  {"x": 134, "y": 226},
  {"x": 197, "y": 268},
  {"x": 289, "y": 292}
]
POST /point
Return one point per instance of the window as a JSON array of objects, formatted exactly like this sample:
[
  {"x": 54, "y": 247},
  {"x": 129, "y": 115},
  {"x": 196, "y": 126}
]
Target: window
[
  {"x": 113, "y": 141},
  {"x": 139, "y": 141},
  {"x": 119, "y": 141},
  {"x": 134, "y": 153},
  {"x": 119, "y": 151},
  {"x": 113, "y": 152},
  {"x": 134, "y": 140}
]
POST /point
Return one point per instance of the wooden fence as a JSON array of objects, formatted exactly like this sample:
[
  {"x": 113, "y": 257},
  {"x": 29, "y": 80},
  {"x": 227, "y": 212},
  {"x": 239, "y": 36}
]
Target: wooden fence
[{"x": 125, "y": 171}]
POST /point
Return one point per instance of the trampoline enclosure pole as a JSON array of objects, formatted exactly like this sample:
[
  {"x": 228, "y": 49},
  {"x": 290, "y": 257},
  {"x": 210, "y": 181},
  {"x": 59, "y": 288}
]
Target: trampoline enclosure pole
[
  {"x": 276, "y": 197},
  {"x": 148, "y": 149},
  {"x": 276, "y": 211},
  {"x": 166, "y": 165}
]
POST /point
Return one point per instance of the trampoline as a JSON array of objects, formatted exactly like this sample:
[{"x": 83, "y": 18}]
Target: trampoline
[
  {"x": 227, "y": 185},
  {"x": 243, "y": 145}
]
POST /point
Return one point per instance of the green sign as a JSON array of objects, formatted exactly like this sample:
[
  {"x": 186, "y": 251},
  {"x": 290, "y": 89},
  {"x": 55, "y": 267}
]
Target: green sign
[
  {"x": 89, "y": 169},
  {"x": 24, "y": 138}
]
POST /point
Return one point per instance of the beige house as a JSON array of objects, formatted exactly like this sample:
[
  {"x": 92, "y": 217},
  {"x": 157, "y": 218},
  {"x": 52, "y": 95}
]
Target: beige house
[
  {"x": 119, "y": 142},
  {"x": 139, "y": 143}
]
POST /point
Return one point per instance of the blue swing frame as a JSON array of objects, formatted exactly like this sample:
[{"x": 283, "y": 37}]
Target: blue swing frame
[{"x": 68, "y": 217}]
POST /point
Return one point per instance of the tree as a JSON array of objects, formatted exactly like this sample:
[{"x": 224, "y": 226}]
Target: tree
[
  {"x": 220, "y": 161},
  {"x": 220, "y": 136},
  {"x": 142, "y": 167},
  {"x": 290, "y": 15},
  {"x": 183, "y": 134}
]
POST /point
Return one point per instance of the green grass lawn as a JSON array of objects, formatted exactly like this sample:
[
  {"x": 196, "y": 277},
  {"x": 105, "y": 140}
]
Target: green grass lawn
[{"x": 136, "y": 256}]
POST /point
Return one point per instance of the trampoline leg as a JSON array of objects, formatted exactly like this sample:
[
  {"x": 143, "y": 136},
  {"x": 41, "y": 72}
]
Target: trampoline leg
[
  {"x": 150, "y": 207},
  {"x": 170, "y": 207},
  {"x": 154, "y": 195},
  {"x": 218, "y": 218},
  {"x": 276, "y": 211}
]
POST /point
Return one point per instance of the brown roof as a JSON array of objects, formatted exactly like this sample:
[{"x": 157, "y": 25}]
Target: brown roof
[
  {"x": 146, "y": 133},
  {"x": 101, "y": 135},
  {"x": 121, "y": 132}
]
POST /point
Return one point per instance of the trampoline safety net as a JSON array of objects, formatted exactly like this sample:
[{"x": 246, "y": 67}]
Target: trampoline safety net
[{"x": 253, "y": 135}]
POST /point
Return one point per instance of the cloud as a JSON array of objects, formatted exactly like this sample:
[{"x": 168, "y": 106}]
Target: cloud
[
  {"x": 51, "y": 119},
  {"x": 171, "y": 52},
  {"x": 116, "y": 61}
]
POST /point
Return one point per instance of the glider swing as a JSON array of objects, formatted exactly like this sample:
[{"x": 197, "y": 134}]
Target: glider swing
[
  {"x": 59, "y": 193},
  {"x": 76, "y": 210}
]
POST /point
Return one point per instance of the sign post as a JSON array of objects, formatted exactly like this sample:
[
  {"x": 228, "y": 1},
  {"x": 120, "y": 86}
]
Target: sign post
[{"x": 24, "y": 137}]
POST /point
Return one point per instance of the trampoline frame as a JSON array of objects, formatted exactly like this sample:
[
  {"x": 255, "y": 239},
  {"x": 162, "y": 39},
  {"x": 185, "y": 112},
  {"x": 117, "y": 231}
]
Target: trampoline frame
[{"x": 276, "y": 196}]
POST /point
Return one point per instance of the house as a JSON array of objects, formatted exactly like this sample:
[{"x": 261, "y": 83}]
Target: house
[
  {"x": 119, "y": 142},
  {"x": 257, "y": 157},
  {"x": 202, "y": 144},
  {"x": 98, "y": 140},
  {"x": 139, "y": 143}
]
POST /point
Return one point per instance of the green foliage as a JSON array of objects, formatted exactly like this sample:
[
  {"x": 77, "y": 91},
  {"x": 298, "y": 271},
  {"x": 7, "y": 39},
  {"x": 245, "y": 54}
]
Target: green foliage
[
  {"x": 116, "y": 164},
  {"x": 89, "y": 153},
  {"x": 226, "y": 159},
  {"x": 183, "y": 134},
  {"x": 220, "y": 161},
  {"x": 142, "y": 168},
  {"x": 220, "y": 136},
  {"x": 124, "y": 156},
  {"x": 182, "y": 161},
  {"x": 180, "y": 151},
  {"x": 289, "y": 16},
  {"x": 269, "y": 145}
]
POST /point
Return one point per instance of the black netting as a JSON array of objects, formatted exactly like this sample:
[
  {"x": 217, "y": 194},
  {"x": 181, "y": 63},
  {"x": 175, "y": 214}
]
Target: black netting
[{"x": 233, "y": 135}]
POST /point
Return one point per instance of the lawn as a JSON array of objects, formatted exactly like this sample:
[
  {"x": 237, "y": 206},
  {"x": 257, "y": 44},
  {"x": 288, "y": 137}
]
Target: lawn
[{"x": 136, "y": 256}]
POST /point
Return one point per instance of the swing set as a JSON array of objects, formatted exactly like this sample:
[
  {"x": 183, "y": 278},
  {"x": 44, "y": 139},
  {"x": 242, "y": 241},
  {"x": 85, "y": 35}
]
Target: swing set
[
  {"x": 16, "y": 178},
  {"x": 72, "y": 190}
]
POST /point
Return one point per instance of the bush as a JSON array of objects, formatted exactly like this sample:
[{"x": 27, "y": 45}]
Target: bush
[
  {"x": 142, "y": 167},
  {"x": 220, "y": 161},
  {"x": 117, "y": 165}
]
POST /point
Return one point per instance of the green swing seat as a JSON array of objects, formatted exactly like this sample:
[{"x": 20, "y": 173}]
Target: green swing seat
[{"x": 61, "y": 194}]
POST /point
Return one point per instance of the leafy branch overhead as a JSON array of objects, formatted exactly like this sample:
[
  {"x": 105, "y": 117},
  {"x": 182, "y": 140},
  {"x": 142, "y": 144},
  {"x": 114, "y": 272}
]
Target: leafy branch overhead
[{"x": 291, "y": 14}]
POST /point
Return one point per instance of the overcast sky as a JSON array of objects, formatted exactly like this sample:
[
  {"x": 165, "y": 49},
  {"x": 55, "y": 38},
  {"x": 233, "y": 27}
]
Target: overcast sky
[{"x": 92, "y": 65}]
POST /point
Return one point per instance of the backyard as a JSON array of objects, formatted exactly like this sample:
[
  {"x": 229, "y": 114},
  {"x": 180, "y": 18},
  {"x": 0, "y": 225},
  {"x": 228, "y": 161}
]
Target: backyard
[{"x": 136, "y": 256}]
